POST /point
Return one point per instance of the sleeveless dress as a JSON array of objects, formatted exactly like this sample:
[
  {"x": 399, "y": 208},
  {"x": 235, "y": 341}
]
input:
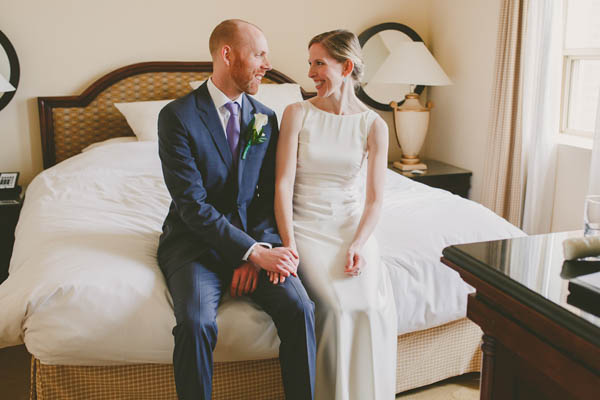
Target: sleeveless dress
[{"x": 355, "y": 317}]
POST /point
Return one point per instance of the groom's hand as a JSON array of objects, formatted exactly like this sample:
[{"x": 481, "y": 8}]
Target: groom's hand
[
  {"x": 281, "y": 260},
  {"x": 244, "y": 280}
]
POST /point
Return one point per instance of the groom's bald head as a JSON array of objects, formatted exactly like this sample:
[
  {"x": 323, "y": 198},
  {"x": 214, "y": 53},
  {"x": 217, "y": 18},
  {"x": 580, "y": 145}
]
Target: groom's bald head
[
  {"x": 239, "y": 52},
  {"x": 230, "y": 32}
]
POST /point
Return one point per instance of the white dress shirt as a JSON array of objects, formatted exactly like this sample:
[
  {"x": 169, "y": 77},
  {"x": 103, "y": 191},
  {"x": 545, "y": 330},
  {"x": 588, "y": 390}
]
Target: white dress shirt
[{"x": 220, "y": 99}]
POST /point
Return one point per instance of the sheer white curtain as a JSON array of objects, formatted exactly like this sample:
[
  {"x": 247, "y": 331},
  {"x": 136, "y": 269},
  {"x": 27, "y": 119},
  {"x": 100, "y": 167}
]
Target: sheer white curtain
[
  {"x": 541, "y": 110},
  {"x": 594, "y": 186}
]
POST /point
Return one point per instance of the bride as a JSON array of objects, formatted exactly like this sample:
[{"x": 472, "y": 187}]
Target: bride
[{"x": 324, "y": 212}]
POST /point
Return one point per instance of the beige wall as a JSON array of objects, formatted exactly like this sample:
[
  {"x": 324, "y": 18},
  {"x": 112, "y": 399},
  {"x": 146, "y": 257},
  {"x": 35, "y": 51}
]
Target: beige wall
[
  {"x": 65, "y": 45},
  {"x": 572, "y": 177},
  {"x": 463, "y": 40},
  {"x": 462, "y": 37}
]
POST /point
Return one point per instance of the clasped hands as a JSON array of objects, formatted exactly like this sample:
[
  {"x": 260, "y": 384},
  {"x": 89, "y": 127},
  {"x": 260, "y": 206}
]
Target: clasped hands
[{"x": 279, "y": 263}]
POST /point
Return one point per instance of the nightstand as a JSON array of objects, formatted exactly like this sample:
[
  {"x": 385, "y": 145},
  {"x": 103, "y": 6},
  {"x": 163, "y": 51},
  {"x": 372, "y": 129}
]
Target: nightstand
[
  {"x": 443, "y": 176},
  {"x": 9, "y": 215}
]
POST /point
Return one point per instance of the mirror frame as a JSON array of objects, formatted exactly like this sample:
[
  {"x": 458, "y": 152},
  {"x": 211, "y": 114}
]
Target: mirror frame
[
  {"x": 15, "y": 71},
  {"x": 362, "y": 39}
]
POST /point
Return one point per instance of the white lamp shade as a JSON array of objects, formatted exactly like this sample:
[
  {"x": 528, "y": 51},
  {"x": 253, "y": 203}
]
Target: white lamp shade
[
  {"x": 5, "y": 86},
  {"x": 410, "y": 63}
]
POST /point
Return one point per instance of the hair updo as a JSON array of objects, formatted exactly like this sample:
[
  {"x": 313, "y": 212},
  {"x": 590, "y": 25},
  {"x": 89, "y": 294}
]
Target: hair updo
[{"x": 342, "y": 45}]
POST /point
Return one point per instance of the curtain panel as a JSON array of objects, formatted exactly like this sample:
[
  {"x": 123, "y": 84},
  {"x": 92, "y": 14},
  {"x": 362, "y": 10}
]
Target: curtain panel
[{"x": 502, "y": 190}]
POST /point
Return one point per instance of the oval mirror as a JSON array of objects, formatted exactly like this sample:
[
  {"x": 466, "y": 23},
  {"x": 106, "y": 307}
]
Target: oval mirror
[
  {"x": 376, "y": 43},
  {"x": 9, "y": 68}
]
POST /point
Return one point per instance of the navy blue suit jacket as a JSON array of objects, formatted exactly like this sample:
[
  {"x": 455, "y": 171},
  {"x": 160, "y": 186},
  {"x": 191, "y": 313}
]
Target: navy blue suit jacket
[{"x": 206, "y": 189}]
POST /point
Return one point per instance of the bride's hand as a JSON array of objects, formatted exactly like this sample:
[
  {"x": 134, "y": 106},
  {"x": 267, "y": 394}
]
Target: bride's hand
[
  {"x": 279, "y": 259},
  {"x": 275, "y": 278},
  {"x": 355, "y": 262}
]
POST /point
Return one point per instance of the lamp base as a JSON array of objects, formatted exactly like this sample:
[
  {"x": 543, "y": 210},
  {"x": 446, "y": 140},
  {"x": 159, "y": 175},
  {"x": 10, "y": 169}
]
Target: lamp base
[{"x": 409, "y": 167}]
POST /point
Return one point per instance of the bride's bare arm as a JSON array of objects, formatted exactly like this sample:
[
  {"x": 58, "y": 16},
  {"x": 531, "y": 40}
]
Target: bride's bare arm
[
  {"x": 377, "y": 146},
  {"x": 285, "y": 172}
]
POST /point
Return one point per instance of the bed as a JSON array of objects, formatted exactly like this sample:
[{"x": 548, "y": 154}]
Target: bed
[{"x": 87, "y": 298}]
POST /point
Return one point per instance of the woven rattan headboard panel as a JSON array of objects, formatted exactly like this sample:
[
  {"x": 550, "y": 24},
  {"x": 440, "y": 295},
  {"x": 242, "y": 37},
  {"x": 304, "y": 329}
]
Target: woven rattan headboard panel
[{"x": 68, "y": 124}]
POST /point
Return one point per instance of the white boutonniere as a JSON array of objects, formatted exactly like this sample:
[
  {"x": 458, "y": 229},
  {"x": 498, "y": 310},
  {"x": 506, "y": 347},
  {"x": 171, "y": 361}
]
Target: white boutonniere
[{"x": 256, "y": 133}]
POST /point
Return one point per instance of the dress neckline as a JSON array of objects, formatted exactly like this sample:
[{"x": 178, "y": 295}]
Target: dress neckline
[{"x": 337, "y": 115}]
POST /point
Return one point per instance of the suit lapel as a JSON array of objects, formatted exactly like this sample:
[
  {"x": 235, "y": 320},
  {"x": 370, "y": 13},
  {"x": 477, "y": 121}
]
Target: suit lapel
[
  {"x": 210, "y": 116},
  {"x": 247, "y": 113}
]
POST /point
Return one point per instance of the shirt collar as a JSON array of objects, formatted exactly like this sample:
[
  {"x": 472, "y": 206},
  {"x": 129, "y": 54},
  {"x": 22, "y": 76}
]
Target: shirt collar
[{"x": 220, "y": 98}]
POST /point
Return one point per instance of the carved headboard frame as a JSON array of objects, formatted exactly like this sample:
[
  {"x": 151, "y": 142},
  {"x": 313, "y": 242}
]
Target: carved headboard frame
[{"x": 70, "y": 123}]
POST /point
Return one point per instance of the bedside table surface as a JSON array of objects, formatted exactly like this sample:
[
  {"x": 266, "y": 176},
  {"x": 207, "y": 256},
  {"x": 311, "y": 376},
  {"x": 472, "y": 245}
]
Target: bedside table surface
[
  {"x": 442, "y": 176},
  {"x": 436, "y": 168}
]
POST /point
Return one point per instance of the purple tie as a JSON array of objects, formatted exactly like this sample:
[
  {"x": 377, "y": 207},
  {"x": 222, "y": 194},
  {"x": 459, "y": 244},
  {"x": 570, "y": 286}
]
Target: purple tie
[{"x": 233, "y": 129}]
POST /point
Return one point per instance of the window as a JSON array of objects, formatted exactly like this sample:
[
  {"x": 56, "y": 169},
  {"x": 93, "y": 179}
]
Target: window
[{"x": 581, "y": 67}]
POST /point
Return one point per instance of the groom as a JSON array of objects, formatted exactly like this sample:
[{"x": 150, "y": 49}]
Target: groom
[{"x": 220, "y": 232}]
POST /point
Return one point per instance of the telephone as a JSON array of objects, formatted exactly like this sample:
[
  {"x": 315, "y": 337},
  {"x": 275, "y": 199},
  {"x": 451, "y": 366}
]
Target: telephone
[{"x": 9, "y": 190}]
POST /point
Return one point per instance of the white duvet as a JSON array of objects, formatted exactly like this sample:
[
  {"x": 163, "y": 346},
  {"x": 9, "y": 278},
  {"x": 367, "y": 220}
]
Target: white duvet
[{"x": 85, "y": 288}]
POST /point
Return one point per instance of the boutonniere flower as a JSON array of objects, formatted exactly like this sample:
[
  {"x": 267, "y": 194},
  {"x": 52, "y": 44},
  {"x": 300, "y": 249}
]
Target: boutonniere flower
[{"x": 256, "y": 132}]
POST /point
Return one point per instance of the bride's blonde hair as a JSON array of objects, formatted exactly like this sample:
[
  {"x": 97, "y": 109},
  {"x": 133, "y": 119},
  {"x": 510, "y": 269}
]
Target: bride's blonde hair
[{"x": 342, "y": 45}]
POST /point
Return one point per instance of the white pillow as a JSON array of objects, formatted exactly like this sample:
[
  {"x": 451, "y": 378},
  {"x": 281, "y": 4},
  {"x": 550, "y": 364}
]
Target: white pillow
[
  {"x": 279, "y": 96},
  {"x": 273, "y": 95},
  {"x": 123, "y": 139},
  {"x": 142, "y": 117}
]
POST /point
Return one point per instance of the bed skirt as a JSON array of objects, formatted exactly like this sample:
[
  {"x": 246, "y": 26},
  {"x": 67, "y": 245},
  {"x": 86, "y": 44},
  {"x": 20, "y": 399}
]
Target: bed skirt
[{"x": 424, "y": 357}]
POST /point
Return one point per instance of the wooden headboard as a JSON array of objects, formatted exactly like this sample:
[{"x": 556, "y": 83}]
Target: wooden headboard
[{"x": 69, "y": 124}]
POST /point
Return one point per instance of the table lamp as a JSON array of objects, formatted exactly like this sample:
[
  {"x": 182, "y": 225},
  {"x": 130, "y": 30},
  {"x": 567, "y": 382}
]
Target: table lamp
[
  {"x": 410, "y": 63},
  {"x": 5, "y": 86}
]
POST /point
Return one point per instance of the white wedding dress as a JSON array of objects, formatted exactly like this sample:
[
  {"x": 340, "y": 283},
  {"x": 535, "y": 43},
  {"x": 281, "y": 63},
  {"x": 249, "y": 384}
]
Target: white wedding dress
[{"x": 355, "y": 316}]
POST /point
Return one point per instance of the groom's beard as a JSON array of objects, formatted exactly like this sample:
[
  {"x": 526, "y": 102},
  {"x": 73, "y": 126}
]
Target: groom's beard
[{"x": 244, "y": 76}]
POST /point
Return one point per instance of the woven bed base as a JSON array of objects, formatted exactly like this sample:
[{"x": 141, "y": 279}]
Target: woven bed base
[
  {"x": 432, "y": 355},
  {"x": 232, "y": 380},
  {"x": 424, "y": 357}
]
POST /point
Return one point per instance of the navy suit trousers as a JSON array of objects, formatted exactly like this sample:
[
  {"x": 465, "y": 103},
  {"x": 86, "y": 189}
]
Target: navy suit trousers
[{"x": 197, "y": 290}]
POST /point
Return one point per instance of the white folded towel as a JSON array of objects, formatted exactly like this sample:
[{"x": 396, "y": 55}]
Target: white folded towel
[{"x": 581, "y": 247}]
